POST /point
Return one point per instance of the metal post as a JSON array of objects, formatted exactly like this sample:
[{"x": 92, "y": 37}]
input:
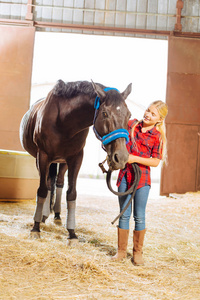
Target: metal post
[
  {"x": 29, "y": 14},
  {"x": 179, "y": 7}
]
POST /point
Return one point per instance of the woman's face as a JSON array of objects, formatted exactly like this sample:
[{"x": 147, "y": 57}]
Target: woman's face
[{"x": 151, "y": 116}]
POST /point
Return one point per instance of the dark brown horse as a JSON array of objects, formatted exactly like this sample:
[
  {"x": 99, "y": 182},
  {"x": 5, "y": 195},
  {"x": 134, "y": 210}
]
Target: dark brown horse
[{"x": 54, "y": 130}]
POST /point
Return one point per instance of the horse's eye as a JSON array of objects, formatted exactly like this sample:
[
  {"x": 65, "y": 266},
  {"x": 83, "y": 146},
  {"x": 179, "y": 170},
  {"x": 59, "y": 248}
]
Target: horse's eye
[{"x": 105, "y": 115}]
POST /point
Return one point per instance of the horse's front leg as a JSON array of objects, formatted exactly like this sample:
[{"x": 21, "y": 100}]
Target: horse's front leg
[
  {"x": 43, "y": 167},
  {"x": 59, "y": 187},
  {"x": 74, "y": 164}
]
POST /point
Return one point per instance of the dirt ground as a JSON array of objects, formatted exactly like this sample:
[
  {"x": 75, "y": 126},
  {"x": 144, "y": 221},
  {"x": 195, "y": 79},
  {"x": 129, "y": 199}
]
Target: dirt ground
[{"x": 48, "y": 268}]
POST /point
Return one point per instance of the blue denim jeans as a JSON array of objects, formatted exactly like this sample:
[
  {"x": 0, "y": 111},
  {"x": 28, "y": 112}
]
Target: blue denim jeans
[{"x": 139, "y": 206}]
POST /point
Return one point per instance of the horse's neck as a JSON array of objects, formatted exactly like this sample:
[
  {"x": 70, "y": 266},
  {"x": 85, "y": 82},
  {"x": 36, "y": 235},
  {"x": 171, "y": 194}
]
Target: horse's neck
[
  {"x": 80, "y": 113},
  {"x": 86, "y": 112}
]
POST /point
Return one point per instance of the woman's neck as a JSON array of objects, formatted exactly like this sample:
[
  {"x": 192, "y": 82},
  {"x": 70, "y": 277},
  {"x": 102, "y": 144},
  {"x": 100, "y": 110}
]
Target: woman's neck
[{"x": 146, "y": 128}]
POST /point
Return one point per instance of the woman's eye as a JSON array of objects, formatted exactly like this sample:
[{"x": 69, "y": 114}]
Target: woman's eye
[{"x": 105, "y": 115}]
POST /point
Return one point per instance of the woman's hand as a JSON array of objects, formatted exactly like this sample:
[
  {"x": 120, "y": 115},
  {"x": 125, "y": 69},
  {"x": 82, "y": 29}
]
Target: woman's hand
[
  {"x": 150, "y": 162},
  {"x": 132, "y": 159}
]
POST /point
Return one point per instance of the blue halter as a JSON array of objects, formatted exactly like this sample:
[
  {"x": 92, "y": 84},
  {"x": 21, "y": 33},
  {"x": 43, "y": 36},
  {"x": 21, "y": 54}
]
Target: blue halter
[{"x": 116, "y": 134}]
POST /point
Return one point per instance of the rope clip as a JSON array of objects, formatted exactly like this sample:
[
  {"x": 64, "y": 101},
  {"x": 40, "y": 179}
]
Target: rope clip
[{"x": 101, "y": 165}]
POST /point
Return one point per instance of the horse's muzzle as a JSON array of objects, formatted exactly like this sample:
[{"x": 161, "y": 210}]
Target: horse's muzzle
[{"x": 117, "y": 160}]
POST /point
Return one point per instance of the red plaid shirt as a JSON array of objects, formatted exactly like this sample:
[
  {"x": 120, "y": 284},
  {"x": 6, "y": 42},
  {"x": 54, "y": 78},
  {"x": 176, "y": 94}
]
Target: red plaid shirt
[{"x": 145, "y": 145}]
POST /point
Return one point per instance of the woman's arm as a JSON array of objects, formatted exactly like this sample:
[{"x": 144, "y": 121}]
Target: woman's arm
[{"x": 150, "y": 162}]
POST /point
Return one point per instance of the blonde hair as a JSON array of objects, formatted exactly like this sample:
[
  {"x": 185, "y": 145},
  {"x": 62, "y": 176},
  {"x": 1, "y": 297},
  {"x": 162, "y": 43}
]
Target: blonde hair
[{"x": 162, "y": 109}]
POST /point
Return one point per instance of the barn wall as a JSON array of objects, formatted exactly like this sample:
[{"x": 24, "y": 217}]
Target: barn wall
[
  {"x": 183, "y": 121},
  {"x": 16, "y": 56},
  {"x": 154, "y": 15}
]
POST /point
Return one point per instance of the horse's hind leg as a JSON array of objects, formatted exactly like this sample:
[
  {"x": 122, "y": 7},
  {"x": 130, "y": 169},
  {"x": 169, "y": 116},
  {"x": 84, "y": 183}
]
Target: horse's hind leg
[
  {"x": 73, "y": 168},
  {"x": 52, "y": 183},
  {"x": 43, "y": 167},
  {"x": 51, "y": 187},
  {"x": 59, "y": 187}
]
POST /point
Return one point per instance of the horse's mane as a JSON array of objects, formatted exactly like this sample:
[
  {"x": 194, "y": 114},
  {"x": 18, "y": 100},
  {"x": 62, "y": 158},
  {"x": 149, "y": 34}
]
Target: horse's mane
[{"x": 73, "y": 89}]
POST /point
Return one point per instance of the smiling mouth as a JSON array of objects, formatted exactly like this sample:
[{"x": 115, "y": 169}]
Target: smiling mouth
[{"x": 145, "y": 118}]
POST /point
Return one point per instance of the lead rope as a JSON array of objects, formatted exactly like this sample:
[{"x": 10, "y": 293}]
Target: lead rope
[{"x": 131, "y": 190}]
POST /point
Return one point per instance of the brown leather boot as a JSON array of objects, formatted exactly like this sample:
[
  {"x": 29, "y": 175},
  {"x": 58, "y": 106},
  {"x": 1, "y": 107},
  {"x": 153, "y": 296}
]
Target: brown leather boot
[
  {"x": 122, "y": 244},
  {"x": 138, "y": 240}
]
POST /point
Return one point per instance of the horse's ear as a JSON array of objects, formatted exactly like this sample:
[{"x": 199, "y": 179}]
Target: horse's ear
[
  {"x": 127, "y": 91},
  {"x": 100, "y": 92}
]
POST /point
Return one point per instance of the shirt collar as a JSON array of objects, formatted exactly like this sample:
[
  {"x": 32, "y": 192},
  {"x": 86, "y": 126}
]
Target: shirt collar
[{"x": 153, "y": 130}]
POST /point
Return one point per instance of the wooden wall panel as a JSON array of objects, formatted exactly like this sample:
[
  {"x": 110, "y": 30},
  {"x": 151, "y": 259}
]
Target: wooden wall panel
[
  {"x": 182, "y": 91},
  {"x": 16, "y": 57},
  {"x": 198, "y": 163},
  {"x": 182, "y": 173},
  {"x": 179, "y": 176}
]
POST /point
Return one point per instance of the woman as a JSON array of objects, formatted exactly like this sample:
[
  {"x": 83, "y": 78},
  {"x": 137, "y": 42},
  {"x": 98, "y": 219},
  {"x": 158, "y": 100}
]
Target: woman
[{"x": 147, "y": 146}]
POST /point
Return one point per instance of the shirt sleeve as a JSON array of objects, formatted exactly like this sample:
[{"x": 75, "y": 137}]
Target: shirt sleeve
[
  {"x": 156, "y": 150},
  {"x": 131, "y": 123}
]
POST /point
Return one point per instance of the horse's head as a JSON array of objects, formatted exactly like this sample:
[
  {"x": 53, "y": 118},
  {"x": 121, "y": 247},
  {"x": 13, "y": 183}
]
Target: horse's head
[{"x": 112, "y": 115}]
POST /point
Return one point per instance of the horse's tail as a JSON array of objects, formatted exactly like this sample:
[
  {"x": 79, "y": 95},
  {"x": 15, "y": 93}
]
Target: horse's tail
[
  {"x": 22, "y": 128},
  {"x": 52, "y": 177}
]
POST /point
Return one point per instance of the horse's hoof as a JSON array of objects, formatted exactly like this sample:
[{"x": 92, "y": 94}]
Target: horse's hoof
[
  {"x": 44, "y": 219},
  {"x": 57, "y": 219},
  {"x": 72, "y": 234},
  {"x": 72, "y": 242},
  {"x": 58, "y": 222},
  {"x": 34, "y": 235}
]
